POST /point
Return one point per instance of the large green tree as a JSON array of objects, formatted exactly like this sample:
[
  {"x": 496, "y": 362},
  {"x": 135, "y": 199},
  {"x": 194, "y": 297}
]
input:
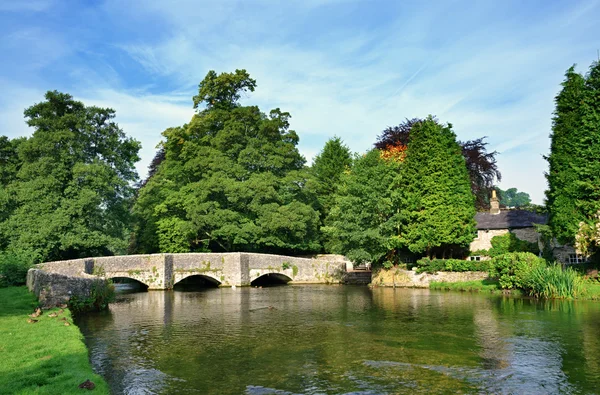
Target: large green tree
[
  {"x": 481, "y": 164},
  {"x": 433, "y": 194},
  {"x": 71, "y": 193},
  {"x": 231, "y": 179},
  {"x": 573, "y": 195},
  {"x": 356, "y": 224},
  {"x": 327, "y": 169}
]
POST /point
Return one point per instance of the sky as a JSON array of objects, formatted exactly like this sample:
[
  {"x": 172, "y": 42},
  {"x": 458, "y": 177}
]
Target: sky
[{"x": 342, "y": 68}]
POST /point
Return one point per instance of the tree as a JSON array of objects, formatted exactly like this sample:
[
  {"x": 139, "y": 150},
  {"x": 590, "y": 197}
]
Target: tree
[
  {"x": 482, "y": 166},
  {"x": 483, "y": 170},
  {"x": 433, "y": 194},
  {"x": 573, "y": 195},
  {"x": 356, "y": 225},
  {"x": 72, "y": 192},
  {"x": 513, "y": 198},
  {"x": 230, "y": 180},
  {"x": 328, "y": 167}
]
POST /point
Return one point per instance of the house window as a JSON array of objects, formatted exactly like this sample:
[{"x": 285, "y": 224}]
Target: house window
[
  {"x": 475, "y": 258},
  {"x": 577, "y": 258}
]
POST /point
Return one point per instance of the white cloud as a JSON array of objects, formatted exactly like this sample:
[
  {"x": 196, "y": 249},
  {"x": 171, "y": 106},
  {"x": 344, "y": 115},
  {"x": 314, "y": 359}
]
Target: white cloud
[{"x": 485, "y": 67}]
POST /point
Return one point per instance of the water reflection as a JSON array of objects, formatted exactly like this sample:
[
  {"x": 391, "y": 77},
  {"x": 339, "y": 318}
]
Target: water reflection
[{"x": 342, "y": 339}]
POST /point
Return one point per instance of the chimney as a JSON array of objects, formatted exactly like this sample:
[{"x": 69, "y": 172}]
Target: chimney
[{"x": 494, "y": 203}]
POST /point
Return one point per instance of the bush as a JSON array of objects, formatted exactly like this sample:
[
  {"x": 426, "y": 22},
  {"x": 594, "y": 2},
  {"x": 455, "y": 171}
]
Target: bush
[
  {"x": 555, "y": 283},
  {"x": 451, "y": 265},
  {"x": 14, "y": 266},
  {"x": 510, "y": 243},
  {"x": 102, "y": 293},
  {"x": 513, "y": 269}
]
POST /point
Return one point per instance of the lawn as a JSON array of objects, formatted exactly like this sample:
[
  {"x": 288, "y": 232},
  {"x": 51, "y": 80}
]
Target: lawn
[
  {"x": 486, "y": 285},
  {"x": 46, "y": 357},
  {"x": 592, "y": 290}
]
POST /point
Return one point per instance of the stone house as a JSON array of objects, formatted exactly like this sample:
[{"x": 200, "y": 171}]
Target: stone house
[{"x": 497, "y": 222}]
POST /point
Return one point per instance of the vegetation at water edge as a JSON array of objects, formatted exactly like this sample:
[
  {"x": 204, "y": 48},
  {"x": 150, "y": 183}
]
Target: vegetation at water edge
[{"x": 44, "y": 357}]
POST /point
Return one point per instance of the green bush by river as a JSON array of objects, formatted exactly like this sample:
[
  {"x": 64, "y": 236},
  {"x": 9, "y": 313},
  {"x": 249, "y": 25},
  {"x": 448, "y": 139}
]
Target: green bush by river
[{"x": 46, "y": 356}]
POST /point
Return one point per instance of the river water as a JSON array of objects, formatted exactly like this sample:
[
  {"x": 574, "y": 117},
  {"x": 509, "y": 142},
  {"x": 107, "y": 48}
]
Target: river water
[{"x": 343, "y": 340}]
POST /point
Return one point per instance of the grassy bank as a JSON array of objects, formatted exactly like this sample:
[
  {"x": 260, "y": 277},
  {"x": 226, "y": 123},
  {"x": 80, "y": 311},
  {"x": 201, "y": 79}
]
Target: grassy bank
[
  {"x": 468, "y": 286},
  {"x": 46, "y": 357},
  {"x": 592, "y": 289}
]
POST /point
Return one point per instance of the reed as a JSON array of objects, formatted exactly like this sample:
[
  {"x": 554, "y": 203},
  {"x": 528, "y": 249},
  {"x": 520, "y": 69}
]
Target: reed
[{"x": 553, "y": 282}]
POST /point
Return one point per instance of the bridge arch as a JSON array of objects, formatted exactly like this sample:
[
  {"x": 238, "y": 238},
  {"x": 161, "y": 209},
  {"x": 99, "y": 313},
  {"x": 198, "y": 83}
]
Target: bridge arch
[
  {"x": 271, "y": 278},
  {"x": 198, "y": 279},
  {"x": 128, "y": 283}
]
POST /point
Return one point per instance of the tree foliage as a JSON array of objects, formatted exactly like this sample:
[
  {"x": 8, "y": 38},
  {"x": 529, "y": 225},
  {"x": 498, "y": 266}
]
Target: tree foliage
[
  {"x": 387, "y": 208},
  {"x": 433, "y": 194},
  {"x": 481, "y": 165},
  {"x": 356, "y": 225},
  {"x": 513, "y": 198},
  {"x": 573, "y": 196},
  {"x": 72, "y": 191},
  {"x": 327, "y": 169},
  {"x": 231, "y": 180}
]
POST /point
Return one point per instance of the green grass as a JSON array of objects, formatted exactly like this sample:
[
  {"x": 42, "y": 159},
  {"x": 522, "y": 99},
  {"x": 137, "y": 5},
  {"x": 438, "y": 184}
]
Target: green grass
[
  {"x": 46, "y": 357},
  {"x": 486, "y": 285},
  {"x": 592, "y": 290}
]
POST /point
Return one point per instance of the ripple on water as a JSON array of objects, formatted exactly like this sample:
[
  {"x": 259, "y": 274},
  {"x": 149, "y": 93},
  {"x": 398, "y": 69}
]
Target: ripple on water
[{"x": 341, "y": 340}]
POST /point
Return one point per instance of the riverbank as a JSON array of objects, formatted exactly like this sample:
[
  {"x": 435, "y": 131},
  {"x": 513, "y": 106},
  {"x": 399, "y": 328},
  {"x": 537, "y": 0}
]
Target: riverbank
[
  {"x": 397, "y": 277},
  {"x": 43, "y": 357},
  {"x": 592, "y": 289}
]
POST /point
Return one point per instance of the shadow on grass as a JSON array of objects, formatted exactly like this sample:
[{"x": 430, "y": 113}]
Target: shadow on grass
[{"x": 49, "y": 375}]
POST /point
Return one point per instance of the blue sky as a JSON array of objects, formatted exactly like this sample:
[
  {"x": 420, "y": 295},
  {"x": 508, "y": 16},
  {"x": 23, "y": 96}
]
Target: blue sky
[{"x": 340, "y": 67}]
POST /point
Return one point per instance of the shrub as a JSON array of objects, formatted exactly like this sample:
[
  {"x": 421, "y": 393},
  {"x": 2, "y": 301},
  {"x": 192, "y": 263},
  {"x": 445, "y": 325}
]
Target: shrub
[
  {"x": 14, "y": 266},
  {"x": 102, "y": 293},
  {"x": 510, "y": 243},
  {"x": 555, "y": 283},
  {"x": 450, "y": 265},
  {"x": 513, "y": 269}
]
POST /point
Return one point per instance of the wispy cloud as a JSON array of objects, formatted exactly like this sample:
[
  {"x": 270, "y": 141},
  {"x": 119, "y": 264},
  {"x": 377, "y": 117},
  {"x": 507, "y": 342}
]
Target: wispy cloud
[{"x": 341, "y": 67}]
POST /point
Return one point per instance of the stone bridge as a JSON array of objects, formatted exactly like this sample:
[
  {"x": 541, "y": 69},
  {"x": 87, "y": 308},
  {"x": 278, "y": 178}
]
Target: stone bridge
[{"x": 163, "y": 271}]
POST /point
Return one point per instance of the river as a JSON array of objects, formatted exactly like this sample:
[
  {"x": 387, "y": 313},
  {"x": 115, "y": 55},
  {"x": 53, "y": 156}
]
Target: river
[{"x": 343, "y": 340}]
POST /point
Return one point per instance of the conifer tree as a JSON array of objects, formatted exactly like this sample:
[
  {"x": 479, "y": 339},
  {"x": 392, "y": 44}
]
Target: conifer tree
[
  {"x": 574, "y": 170},
  {"x": 328, "y": 167},
  {"x": 433, "y": 194},
  {"x": 355, "y": 226}
]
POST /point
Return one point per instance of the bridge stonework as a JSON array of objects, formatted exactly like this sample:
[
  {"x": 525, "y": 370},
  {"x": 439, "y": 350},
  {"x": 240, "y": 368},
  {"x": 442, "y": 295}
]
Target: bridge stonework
[{"x": 58, "y": 280}]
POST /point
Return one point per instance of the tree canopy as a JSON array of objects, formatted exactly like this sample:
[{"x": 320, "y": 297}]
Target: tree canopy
[
  {"x": 231, "y": 179},
  {"x": 573, "y": 195},
  {"x": 433, "y": 194},
  {"x": 327, "y": 168},
  {"x": 356, "y": 224},
  {"x": 513, "y": 198},
  {"x": 68, "y": 187},
  {"x": 481, "y": 165}
]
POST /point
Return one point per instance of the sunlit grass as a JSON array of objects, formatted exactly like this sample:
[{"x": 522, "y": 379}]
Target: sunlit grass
[
  {"x": 486, "y": 285},
  {"x": 592, "y": 290},
  {"x": 46, "y": 357}
]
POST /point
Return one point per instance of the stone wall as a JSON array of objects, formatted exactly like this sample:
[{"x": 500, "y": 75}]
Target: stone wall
[
  {"x": 409, "y": 278},
  {"x": 53, "y": 289}
]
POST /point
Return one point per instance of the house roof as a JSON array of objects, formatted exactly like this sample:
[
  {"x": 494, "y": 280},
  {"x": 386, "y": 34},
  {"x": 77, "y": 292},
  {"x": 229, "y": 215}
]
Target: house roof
[{"x": 509, "y": 219}]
